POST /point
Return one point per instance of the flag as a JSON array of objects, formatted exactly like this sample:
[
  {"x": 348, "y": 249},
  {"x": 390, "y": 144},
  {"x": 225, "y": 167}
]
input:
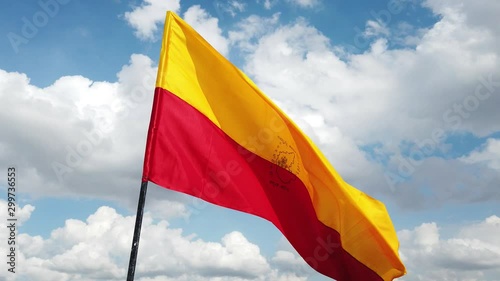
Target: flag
[{"x": 214, "y": 135}]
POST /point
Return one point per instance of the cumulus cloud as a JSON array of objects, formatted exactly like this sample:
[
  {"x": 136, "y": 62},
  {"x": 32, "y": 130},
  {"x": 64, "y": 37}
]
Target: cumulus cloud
[
  {"x": 489, "y": 155},
  {"x": 290, "y": 262},
  {"x": 83, "y": 138},
  {"x": 382, "y": 80},
  {"x": 22, "y": 213},
  {"x": 386, "y": 97},
  {"x": 250, "y": 29},
  {"x": 146, "y": 18},
  {"x": 473, "y": 253},
  {"x": 98, "y": 249}
]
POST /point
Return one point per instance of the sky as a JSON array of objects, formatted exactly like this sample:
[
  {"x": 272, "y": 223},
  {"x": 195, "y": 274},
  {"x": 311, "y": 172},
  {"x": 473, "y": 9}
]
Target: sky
[{"x": 402, "y": 96}]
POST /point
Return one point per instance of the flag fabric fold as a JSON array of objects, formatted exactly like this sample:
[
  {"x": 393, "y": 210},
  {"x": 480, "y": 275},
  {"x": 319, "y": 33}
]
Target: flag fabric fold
[{"x": 214, "y": 135}]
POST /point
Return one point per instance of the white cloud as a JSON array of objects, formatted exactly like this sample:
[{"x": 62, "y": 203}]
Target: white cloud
[
  {"x": 305, "y": 3},
  {"x": 479, "y": 14},
  {"x": 485, "y": 231},
  {"x": 99, "y": 247},
  {"x": 151, "y": 13},
  {"x": 387, "y": 97},
  {"x": 208, "y": 27},
  {"x": 248, "y": 30},
  {"x": 22, "y": 214},
  {"x": 379, "y": 81},
  {"x": 490, "y": 155},
  {"x": 291, "y": 262},
  {"x": 79, "y": 137},
  {"x": 376, "y": 28},
  {"x": 472, "y": 254},
  {"x": 231, "y": 7},
  {"x": 268, "y": 4}
]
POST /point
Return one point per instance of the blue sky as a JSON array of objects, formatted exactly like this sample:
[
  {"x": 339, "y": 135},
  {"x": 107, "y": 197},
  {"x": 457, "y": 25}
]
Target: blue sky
[{"x": 401, "y": 96}]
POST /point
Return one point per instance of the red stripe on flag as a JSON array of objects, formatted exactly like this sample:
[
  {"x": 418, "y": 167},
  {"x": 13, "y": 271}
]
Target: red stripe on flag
[{"x": 186, "y": 152}]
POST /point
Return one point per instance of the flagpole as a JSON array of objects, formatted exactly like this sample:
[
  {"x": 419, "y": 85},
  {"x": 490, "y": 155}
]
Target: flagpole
[{"x": 137, "y": 231}]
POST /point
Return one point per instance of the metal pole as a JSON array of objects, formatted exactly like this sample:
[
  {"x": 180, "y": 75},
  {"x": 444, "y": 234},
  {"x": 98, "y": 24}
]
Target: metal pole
[{"x": 137, "y": 231}]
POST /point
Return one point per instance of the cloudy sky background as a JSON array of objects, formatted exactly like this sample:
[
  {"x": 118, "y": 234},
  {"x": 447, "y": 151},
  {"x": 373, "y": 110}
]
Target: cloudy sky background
[{"x": 402, "y": 96}]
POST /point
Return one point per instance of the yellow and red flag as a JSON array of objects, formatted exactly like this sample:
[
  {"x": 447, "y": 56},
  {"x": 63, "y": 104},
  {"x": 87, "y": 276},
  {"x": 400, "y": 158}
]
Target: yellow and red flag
[{"x": 214, "y": 135}]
